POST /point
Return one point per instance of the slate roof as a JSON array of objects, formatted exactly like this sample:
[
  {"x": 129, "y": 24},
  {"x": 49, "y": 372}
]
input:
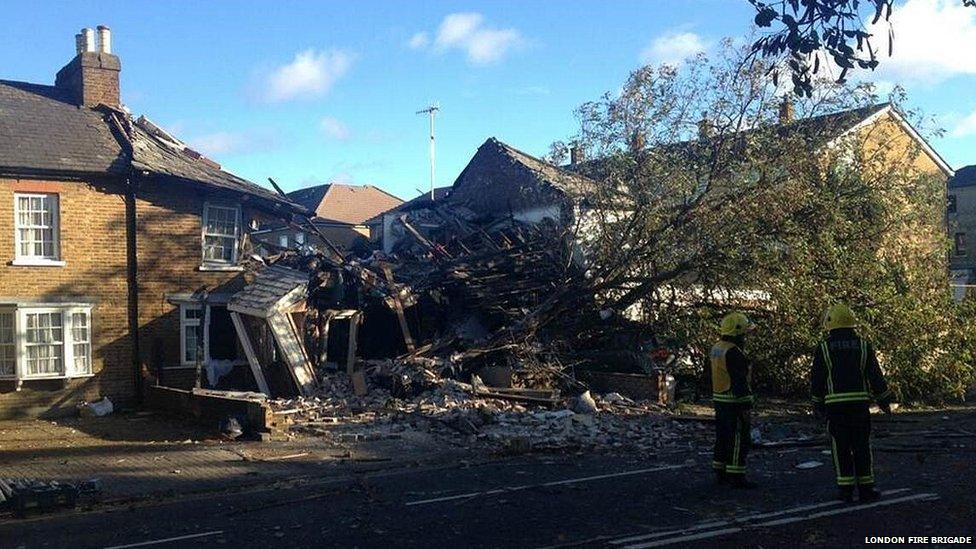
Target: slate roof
[
  {"x": 152, "y": 152},
  {"x": 416, "y": 203},
  {"x": 41, "y": 130},
  {"x": 965, "y": 177},
  {"x": 273, "y": 288},
  {"x": 500, "y": 178},
  {"x": 350, "y": 204}
]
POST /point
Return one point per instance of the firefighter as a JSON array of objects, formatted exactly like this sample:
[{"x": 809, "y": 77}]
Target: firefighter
[
  {"x": 732, "y": 398},
  {"x": 845, "y": 376}
]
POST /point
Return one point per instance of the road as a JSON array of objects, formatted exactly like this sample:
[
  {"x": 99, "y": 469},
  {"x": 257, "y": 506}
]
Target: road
[{"x": 561, "y": 501}]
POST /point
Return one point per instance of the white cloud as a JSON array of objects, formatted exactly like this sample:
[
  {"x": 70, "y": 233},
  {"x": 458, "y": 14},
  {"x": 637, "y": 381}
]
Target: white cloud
[
  {"x": 933, "y": 41},
  {"x": 467, "y": 32},
  {"x": 672, "y": 48},
  {"x": 224, "y": 143},
  {"x": 335, "y": 129},
  {"x": 965, "y": 127},
  {"x": 311, "y": 74},
  {"x": 419, "y": 41}
]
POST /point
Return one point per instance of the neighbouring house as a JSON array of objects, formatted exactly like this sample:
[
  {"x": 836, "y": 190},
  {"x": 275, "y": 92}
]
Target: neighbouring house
[
  {"x": 384, "y": 229},
  {"x": 341, "y": 214},
  {"x": 499, "y": 181},
  {"x": 961, "y": 220},
  {"x": 123, "y": 246}
]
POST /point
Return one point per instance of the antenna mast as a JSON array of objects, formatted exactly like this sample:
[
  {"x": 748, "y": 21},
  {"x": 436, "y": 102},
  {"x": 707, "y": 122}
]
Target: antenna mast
[{"x": 431, "y": 112}]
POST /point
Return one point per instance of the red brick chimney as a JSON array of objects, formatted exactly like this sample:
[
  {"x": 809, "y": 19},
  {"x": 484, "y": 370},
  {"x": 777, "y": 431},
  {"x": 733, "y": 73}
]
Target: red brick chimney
[{"x": 92, "y": 77}]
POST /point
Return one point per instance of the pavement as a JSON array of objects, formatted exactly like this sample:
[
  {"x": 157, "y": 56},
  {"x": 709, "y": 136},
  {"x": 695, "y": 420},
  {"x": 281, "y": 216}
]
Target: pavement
[{"x": 614, "y": 499}]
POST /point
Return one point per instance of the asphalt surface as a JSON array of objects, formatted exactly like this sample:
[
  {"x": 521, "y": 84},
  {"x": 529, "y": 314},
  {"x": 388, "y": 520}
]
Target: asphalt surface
[{"x": 924, "y": 465}]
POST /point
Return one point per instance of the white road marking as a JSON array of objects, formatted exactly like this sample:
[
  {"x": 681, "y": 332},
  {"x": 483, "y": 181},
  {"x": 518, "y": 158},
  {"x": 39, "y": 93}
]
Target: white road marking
[
  {"x": 739, "y": 520},
  {"x": 543, "y": 485},
  {"x": 167, "y": 540},
  {"x": 782, "y": 521}
]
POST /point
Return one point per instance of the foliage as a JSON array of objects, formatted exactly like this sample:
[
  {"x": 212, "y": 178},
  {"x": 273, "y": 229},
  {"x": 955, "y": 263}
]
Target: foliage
[
  {"x": 694, "y": 216},
  {"x": 803, "y": 32}
]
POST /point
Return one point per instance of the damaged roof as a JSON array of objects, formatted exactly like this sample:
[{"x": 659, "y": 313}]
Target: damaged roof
[
  {"x": 502, "y": 178},
  {"x": 274, "y": 289},
  {"x": 419, "y": 202},
  {"x": 157, "y": 152},
  {"x": 43, "y": 132},
  {"x": 350, "y": 204}
]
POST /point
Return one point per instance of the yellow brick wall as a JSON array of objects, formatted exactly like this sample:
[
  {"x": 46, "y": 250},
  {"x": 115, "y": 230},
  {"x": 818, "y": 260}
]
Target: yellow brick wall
[
  {"x": 169, "y": 257},
  {"x": 93, "y": 246}
]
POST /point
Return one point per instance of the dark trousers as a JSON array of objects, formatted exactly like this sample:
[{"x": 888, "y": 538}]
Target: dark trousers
[
  {"x": 849, "y": 426},
  {"x": 732, "y": 442}
]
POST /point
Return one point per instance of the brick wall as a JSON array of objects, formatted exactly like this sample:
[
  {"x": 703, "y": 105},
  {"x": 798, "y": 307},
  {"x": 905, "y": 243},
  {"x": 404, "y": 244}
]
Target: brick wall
[
  {"x": 93, "y": 246},
  {"x": 169, "y": 256}
]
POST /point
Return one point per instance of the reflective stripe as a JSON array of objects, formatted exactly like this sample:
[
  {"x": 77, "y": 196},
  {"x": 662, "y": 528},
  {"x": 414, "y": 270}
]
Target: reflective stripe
[
  {"x": 858, "y": 396},
  {"x": 726, "y": 397},
  {"x": 830, "y": 366},
  {"x": 735, "y": 469},
  {"x": 833, "y": 450},
  {"x": 735, "y": 453},
  {"x": 864, "y": 358},
  {"x": 718, "y": 466},
  {"x": 845, "y": 481},
  {"x": 817, "y": 399},
  {"x": 866, "y": 479}
]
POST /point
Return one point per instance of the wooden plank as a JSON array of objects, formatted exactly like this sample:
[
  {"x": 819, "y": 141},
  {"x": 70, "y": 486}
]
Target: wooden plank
[
  {"x": 398, "y": 306},
  {"x": 351, "y": 349},
  {"x": 252, "y": 358},
  {"x": 291, "y": 347}
]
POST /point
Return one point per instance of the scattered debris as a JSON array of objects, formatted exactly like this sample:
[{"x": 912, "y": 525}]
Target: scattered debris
[
  {"x": 24, "y": 496},
  {"x": 812, "y": 464},
  {"x": 100, "y": 408}
]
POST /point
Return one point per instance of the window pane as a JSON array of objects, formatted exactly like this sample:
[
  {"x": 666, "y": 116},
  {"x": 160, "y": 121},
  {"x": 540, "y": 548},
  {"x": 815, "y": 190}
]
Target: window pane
[
  {"x": 36, "y": 221},
  {"x": 7, "y": 350}
]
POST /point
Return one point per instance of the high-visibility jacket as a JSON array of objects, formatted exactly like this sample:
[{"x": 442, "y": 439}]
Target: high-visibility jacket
[
  {"x": 846, "y": 369},
  {"x": 731, "y": 374}
]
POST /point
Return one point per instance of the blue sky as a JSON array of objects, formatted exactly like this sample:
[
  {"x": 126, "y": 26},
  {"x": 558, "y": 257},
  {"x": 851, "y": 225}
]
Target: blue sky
[{"x": 312, "y": 92}]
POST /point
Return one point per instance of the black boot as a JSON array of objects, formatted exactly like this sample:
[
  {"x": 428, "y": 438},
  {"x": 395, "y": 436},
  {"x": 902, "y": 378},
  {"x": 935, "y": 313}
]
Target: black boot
[
  {"x": 845, "y": 494},
  {"x": 866, "y": 493},
  {"x": 740, "y": 482}
]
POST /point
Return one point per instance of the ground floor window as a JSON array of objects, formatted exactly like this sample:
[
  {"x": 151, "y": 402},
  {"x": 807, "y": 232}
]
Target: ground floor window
[
  {"x": 207, "y": 334},
  {"x": 45, "y": 341}
]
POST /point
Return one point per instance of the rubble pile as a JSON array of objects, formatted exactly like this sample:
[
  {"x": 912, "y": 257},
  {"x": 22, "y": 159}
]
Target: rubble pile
[{"x": 489, "y": 321}]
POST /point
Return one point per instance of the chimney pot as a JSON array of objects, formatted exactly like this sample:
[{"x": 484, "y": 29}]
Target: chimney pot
[
  {"x": 104, "y": 39},
  {"x": 787, "y": 112},
  {"x": 88, "y": 39},
  {"x": 576, "y": 154},
  {"x": 705, "y": 127},
  {"x": 91, "y": 78}
]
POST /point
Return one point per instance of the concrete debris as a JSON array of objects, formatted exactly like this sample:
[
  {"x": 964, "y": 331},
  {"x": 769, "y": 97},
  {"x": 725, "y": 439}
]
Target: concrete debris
[{"x": 100, "y": 408}]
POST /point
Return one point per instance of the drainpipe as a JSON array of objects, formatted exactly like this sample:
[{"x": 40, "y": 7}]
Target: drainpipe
[{"x": 132, "y": 280}]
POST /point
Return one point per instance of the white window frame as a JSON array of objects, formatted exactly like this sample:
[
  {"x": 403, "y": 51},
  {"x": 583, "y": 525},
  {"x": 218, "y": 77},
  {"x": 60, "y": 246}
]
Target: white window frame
[
  {"x": 67, "y": 312},
  {"x": 193, "y": 323},
  {"x": 12, "y": 312},
  {"x": 33, "y": 260},
  {"x": 213, "y": 264},
  {"x": 204, "y": 323}
]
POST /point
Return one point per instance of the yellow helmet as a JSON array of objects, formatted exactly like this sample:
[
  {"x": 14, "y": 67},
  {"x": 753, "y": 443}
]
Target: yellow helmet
[
  {"x": 839, "y": 315},
  {"x": 735, "y": 324}
]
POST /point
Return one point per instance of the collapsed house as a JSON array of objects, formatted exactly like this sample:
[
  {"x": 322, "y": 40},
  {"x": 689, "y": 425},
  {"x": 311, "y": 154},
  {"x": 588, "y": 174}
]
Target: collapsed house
[{"x": 469, "y": 300}]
